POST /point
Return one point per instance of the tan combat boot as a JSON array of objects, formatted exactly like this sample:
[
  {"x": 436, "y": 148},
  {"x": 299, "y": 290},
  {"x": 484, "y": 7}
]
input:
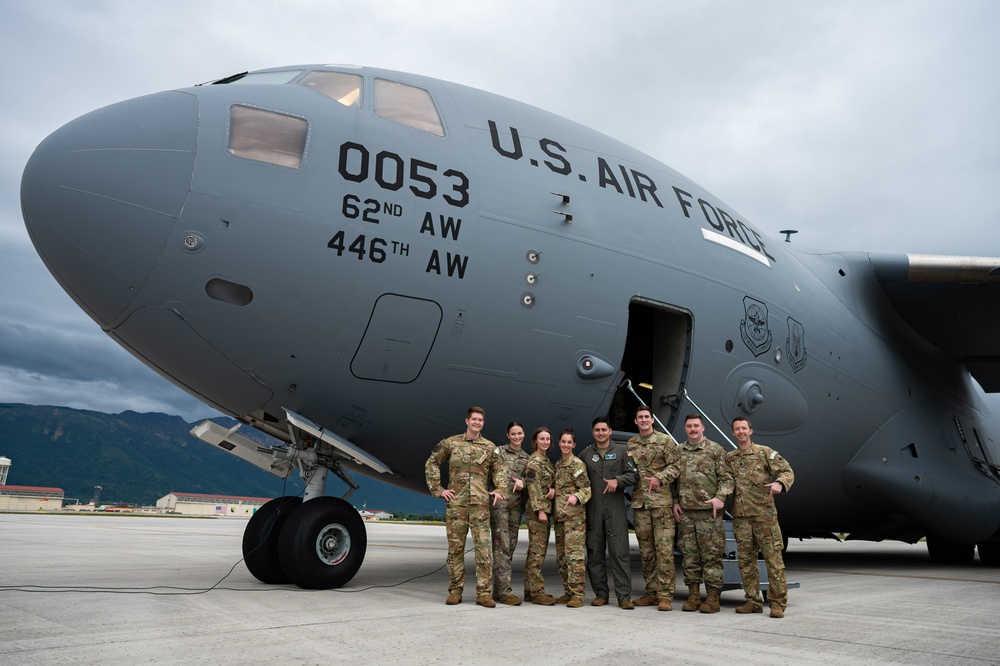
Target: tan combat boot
[
  {"x": 750, "y": 607},
  {"x": 646, "y": 600},
  {"x": 694, "y": 599},
  {"x": 711, "y": 604}
]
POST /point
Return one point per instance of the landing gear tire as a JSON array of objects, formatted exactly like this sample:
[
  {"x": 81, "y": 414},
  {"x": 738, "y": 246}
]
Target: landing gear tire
[
  {"x": 989, "y": 553},
  {"x": 322, "y": 544},
  {"x": 943, "y": 551},
  {"x": 260, "y": 539}
]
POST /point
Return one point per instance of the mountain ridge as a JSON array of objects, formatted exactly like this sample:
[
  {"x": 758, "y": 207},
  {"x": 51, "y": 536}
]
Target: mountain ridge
[{"x": 139, "y": 457}]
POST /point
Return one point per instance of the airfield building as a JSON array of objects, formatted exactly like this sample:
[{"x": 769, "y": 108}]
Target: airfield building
[
  {"x": 193, "y": 504},
  {"x": 30, "y": 498},
  {"x": 26, "y": 498}
]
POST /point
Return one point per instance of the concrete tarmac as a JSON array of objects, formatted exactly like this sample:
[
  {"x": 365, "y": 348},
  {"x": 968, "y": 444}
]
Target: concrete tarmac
[{"x": 93, "y": 589}]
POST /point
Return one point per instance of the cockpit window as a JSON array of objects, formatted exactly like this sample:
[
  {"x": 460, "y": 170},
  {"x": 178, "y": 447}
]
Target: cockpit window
[
  {"x": 340, "y": 87},
  {"x": 267, "y": 136},
  {"x": 267, "y": 77},
  {"x": 408, "y": 105}
]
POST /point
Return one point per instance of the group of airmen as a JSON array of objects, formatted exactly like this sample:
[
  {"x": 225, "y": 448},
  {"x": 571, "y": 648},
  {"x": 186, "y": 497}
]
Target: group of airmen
[{"x": 677, "y": 489}]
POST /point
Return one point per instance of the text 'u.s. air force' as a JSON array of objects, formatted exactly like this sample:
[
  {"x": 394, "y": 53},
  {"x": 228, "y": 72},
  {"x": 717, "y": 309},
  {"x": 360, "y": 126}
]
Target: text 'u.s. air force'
[{"x": 612, "y": 176}]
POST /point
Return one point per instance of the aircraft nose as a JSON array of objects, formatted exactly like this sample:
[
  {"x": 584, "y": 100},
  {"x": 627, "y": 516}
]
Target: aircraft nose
[{"x": 101, "y": 195}]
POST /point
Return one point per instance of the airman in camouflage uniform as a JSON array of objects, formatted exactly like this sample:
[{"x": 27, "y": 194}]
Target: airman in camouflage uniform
[
  {"x": 759, "y": 474},
  {"x": 572, "y": 493},
  {"x": 473, "y": 461},
  {"x": 611, "y": 471},
  {"x": 505, "y": 517},
  {"x": 702, "y": 488},
  {"x": 658, "y": 461},
  {"x": 540, "y": 476}
]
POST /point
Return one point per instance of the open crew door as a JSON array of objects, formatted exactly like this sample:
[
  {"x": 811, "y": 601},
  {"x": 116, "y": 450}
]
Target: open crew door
[{"x": 656, "y": 358}]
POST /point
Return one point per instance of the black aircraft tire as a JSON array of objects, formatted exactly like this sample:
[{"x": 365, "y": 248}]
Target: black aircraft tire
[
  {"x": 989, "y": 553},
  {"x": 260, "y": 539},
  {"x": 322, "y": 544},
  {"x": 943, "y": 551}
]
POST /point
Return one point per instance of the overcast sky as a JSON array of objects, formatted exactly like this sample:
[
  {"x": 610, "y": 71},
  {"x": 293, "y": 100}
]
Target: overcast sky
[{"x": 865, "y": 125}]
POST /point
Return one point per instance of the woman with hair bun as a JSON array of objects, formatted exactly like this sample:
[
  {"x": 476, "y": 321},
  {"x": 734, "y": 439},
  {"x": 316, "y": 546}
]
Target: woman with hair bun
[
  {"x": 572, "y": 492},
  {"x": 539, "y": 475},
  {"x": 505, "y": 516}
]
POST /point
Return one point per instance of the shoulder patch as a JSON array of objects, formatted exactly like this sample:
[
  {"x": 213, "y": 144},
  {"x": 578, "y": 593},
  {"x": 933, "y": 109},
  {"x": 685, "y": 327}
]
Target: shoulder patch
[
  {"x": 578, "y": 472},
  {"x": 773, "y": 453}
]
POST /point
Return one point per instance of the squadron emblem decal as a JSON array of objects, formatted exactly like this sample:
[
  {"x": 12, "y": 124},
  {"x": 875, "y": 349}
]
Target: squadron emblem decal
[
  {"x": 795, "y": 343},
  {"x": 754, "y": 329}
]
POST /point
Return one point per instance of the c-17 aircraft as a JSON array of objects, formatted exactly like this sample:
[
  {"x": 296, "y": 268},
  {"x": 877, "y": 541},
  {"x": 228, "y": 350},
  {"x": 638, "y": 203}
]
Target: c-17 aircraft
[{"x": 345, "y": 258}]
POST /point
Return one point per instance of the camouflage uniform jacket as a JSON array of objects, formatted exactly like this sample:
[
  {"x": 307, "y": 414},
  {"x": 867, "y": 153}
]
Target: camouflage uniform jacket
[
  {"x": 655, "y": 455},
  {"x": 753, "y": 468},
  {"x": 472, "y": 464},
  {"x": 571, "y": 479},
  {"x": 515, "y": 460},
  {"x": 539, "y": 476},
  {"x": 704, "y": 474}
]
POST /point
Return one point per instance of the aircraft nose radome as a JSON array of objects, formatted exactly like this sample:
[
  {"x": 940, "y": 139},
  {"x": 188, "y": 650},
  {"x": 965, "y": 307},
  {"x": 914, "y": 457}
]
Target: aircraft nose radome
[{"x": 100, "y": 196}]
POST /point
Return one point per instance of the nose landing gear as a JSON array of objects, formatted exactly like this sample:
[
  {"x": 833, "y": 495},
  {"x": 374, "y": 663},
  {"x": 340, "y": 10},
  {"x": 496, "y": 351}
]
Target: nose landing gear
[{"x": 315, "y": 542}]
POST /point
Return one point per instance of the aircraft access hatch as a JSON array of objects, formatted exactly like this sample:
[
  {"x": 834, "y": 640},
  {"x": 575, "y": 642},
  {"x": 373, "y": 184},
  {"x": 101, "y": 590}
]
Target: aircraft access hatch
[
  {"x": 656, "y": 358},
  {"x": 398, "y": 339}
]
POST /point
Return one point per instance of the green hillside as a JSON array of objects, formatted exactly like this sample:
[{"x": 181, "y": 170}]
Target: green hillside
[{"x": 139, "y": 458}]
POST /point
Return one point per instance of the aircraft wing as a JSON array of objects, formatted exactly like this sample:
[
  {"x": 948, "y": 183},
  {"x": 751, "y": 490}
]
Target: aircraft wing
[{"x": 953, "y": 302}]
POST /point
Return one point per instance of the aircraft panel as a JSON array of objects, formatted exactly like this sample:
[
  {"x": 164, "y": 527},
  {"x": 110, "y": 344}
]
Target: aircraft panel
[{"x": 398, "y": 339}]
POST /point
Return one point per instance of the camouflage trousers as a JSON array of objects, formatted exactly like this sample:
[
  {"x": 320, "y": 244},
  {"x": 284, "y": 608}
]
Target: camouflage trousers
[
  {"x": 761, "y": 533},
  {"x": 571, "y": 538},
  {"x": 538, "y": 545},
  {"x": 702, "y": 541},
  {"x": 505, "y": 523},
  {"x": 459, "y": 521},
  {"x": 654, "y": 530}
]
